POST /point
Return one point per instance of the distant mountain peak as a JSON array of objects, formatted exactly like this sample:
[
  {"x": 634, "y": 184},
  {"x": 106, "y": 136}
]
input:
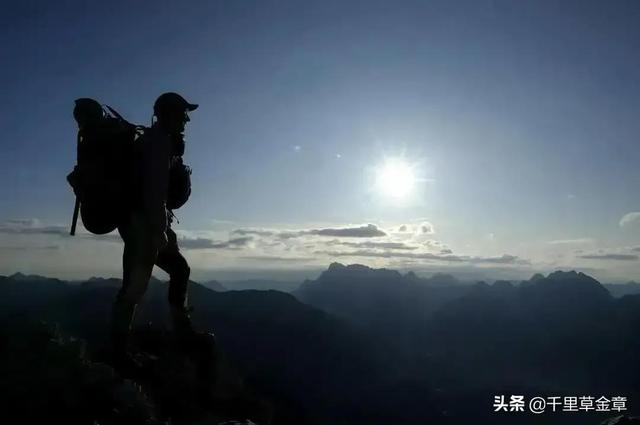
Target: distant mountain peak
[
  {"x": 339, "y": 269},
  {"x": 569, "y": 283},
  {"x": 503, "y": 284},
  {"x": 571, "y": 276},
  {"x": 358, "y": 271},
  {"x": 411, "y": 275},
  {"x": 536, "y": 277},
  {"x": 559, "y": 274},
  {"x": 338, "y": 274},
  {"x": 335, "y": 266},
  {"x": 22, "y": 277},
  {"x": 358, "y": 267},
  {"x": 95, "y": 279}
]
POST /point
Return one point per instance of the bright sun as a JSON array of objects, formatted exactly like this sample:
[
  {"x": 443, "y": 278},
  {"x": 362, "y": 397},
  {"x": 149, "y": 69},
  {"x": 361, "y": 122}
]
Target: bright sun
[{"x": 395, "y": 178}]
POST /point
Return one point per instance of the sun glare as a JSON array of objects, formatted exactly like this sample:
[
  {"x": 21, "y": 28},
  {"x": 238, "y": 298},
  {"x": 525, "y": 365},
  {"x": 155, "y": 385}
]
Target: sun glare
[{"x": 395, "y": 178}]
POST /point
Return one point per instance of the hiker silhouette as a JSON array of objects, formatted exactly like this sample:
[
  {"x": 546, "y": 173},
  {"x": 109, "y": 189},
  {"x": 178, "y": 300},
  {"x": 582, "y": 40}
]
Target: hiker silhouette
[{"x": 162, "y": 183}]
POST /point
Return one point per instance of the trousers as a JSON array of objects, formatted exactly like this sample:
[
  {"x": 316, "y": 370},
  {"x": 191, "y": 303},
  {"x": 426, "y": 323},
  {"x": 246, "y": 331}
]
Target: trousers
[{"x": 141, "y": 252}]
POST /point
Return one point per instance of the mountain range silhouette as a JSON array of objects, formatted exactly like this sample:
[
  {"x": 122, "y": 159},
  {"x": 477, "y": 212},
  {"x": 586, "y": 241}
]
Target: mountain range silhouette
[{"x": 355, "y": 346}]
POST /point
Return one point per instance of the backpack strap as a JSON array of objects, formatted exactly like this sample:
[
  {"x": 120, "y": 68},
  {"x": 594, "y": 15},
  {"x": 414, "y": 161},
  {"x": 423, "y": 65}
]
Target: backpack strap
[{"x": 117, "y": 115}]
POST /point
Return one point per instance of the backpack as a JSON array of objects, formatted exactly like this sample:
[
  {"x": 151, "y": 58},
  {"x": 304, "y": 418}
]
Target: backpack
[{"x": 102, "y": 179}]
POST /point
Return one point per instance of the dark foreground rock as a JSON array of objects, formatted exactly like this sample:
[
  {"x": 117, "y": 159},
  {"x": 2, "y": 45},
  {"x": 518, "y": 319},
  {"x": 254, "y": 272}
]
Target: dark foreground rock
[
  {"x": 622, "y": 420},
  {"x": 48, "y": 378}
]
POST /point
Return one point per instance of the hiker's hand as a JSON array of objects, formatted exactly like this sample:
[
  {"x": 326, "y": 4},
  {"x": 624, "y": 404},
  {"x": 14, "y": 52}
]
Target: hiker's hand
[
  {"x": 161, "y": 240},
  {"x": 172, "y": 237}
]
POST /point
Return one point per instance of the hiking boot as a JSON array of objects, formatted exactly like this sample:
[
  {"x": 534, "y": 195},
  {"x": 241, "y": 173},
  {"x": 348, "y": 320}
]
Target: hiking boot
[{"x": 181, "y": 318}]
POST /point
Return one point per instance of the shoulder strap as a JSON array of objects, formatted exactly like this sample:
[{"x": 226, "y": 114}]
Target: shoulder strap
[{"x": 114, "y": 112}]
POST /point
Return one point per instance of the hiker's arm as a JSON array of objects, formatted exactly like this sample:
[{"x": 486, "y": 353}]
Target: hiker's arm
[{"x": 156, "y": 183}]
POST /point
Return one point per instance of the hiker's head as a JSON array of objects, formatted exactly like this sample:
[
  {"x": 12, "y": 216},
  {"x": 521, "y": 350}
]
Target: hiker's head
[{"x": 171, "y": 110}]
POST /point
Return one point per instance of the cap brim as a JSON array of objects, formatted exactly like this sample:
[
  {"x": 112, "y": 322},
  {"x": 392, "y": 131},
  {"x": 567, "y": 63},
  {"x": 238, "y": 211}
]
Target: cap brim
[{"x": 192, "y": 107}]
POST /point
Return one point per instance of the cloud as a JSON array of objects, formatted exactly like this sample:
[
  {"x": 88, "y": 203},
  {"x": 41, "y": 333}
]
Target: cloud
[
  {"x": 433, "y": 244},
  {"x": 22, "y": 222},
  {"x": 277, "y": 258},
  {"x": 367, "y": 231},
  {"x": 371, "y": 244},
  {"x": 31, "y": 226},
  {"x": 630, "y": 218},
  {"x": 364, "y": 231},
  {"x": 258, "y": 232},
  {"x": 426, "y": 228},
  {"x": 504, "y": 259},
  {"x": 618, "y": 257},
  {"x": 422, "y": 228},
  {"x": 195, "y": 243},
  {"x": 635, "y": 249},
  {"x": 206, "y": 243},
  {"x": 577, "y": 241},
  {"x": 389, "y": 254}
]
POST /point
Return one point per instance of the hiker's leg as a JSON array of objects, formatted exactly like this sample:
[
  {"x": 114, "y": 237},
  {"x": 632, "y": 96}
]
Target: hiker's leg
[
  {"x": 200, "y": 346},
  {"x": 137, "y": 263},
  {"x": 171, "y": 261}
]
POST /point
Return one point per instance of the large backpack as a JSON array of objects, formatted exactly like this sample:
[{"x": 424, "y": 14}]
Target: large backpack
[{"x": 103, "y": 179}]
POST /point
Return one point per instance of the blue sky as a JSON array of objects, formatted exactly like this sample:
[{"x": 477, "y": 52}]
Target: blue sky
[{"x": 518, "y": 119}]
